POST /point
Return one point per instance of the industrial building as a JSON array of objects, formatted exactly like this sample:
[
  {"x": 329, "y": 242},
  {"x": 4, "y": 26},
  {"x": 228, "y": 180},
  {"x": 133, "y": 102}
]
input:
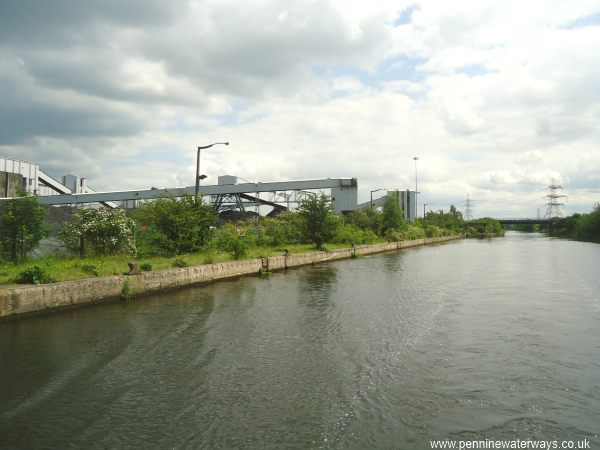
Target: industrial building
[
  {"x": 227, "y": 195},
  {"x": 16, "y": 175},
  {"x": 407, "y": 199}
]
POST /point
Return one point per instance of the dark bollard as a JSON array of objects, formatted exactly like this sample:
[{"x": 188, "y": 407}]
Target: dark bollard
[{"x": 134, "y": 268}]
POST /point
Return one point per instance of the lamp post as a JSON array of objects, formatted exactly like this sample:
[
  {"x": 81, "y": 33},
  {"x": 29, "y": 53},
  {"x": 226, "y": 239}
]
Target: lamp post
[
  {"x": 416, "y": 158},
  {"x": 198, "y": 176},
  {"x": 424, "y": 205},
  {"x": 372, "y": 195}
]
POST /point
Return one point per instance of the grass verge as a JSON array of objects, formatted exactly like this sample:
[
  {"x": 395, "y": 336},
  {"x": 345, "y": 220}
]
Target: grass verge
[{"x": 72, "y": 268}]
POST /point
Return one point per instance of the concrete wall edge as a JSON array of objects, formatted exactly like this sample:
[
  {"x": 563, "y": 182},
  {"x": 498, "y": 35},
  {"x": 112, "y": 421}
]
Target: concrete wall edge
[{"x": 24, "y": 300}]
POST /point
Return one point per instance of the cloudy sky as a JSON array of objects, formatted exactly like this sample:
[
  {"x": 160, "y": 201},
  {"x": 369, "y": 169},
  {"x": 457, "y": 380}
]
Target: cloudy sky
[{"x": 496, "y": 98}]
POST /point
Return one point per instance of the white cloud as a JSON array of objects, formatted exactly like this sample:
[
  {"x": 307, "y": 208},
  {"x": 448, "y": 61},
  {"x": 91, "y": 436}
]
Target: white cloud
[{"x": 496, "y": 98}]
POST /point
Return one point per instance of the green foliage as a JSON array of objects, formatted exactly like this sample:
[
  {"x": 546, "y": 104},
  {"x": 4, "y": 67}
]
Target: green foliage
[
  {"x": 91, "y": 269},
  {"x": 487, "y": 225},
  {"x": 180, "y": 262},
  {"x": 209, "y": 257},
  {"x": 451, "y": 220},
  {"x": 366, "y": 219},
  {"x": 234, "y": 240},
  {"x": 318, "y": 223},
  {"x": 587, "y": 227},
  {"x": 102, "y": 231},
  {"x": 436, "y": 231},
  {"x": 34, "y": 275},
  {"x": 351, "y": 234},
  {"x": 146, "y": 267},
  {"x": 23, "y": 225},
  {"x": 276, "y": 231},
  {"x": 408, "y": 233},
  {"x": 126, "y": 292},
  {"x": 392, "y": 215},
  {"x": 173, "y": 226}
]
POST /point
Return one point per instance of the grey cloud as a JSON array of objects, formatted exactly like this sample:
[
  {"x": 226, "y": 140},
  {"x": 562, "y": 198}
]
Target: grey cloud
[
  {"x": 48, "y": 23},
  {"x": 242, "y": 51},
  {"x": 23, "y": 117}
]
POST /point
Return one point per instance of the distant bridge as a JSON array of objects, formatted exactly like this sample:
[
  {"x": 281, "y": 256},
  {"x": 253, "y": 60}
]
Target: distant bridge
[
  {"x": 526, "y": 221},
  {"x": 518, "y": 222}
]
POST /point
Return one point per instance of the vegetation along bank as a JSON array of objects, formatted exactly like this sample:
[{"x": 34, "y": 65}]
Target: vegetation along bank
[{"x": 174, "y": 233}]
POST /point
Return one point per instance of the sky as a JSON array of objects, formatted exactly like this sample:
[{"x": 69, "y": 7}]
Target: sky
[{"x": 497, "y": 99}]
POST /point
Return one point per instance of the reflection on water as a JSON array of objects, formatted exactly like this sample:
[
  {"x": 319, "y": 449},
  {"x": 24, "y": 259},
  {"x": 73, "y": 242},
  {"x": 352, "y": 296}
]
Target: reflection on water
[{"x": 468, "y": 340}]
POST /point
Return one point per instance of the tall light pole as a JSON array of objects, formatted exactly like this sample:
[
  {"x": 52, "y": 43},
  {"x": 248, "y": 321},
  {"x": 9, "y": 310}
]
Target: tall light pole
[
  {"x": 198, "y": 177},
  {"x": 416, "y": 158},
  {"x": 372, "y": 195},
  {"x": 424, "y": 205}
]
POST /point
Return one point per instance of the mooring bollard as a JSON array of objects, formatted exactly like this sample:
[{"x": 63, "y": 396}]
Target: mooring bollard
[{"x": 134, "y": 268}]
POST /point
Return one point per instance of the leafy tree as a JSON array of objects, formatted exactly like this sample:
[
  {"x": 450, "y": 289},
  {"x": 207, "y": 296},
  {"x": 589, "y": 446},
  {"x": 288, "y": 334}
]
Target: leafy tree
[
  {"x": 588, "y": 226},
  {"x": 23, "y": 225},
  {"x": 392, "y": 215},
  {"x": 318, "y": 221},
  {"x": 174, "y": 226},
  {"x": 487, "y": 225},
  {"x": 452, "y": 220},
  {"x": 366, "y": 219},
  {"x": 99, "y": 231}
]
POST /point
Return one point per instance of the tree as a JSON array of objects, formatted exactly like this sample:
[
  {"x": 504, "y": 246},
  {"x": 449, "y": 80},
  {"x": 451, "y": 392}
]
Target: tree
[
  {"x": 175, "y": 226},
  {"x": 23, "y": 225},
  {"x": 588, "y": 226},
  {"x": 99, "y": 231},
  {"x": 392, "y": 215},
  {"x": 318, "y": 222},
  {"x": 452, "y": 221},
  {"x": 366, "y": 219}
]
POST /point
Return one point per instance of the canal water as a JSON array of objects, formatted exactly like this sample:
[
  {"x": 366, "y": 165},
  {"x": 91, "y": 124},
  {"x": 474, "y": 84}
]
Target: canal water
[{"x": 470, "y": 340}]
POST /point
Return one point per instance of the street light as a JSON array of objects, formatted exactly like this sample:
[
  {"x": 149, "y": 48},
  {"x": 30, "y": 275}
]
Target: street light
[
  {"x": 198, "y": 176},
  {"x": 372, "y": 195},
  {"x": 416, "y": 158},
  {"x": 424, "y": 205}
]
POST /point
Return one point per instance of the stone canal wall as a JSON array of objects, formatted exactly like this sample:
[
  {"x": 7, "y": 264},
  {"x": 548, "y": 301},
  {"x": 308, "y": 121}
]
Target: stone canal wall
[{"x": 22, "y": 300}]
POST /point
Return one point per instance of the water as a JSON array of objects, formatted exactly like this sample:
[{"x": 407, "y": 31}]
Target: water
[{"x": 476, "y": 339}]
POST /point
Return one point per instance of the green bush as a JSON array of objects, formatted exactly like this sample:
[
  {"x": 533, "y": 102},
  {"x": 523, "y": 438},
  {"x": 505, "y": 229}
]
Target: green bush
[
  {"x": 234, "y": 240},
  {"x": 366, "y": 219},
  {"x": 180, "y": 262},
  {"x": 351, "y": 234},
  {"x": 409, "y": 233},
  {"x": 126, "y": 292},
  {"x": 435, "y": 231},
  {"x": 146, "y": 267},
  {"x": 34, "y": 275},
  {"x": 173, "y": 226}
]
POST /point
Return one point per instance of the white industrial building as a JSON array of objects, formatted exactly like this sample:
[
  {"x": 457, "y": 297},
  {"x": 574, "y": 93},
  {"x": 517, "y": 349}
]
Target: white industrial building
[
  {"x": 16, "y": 175},
  {"x": 228, "y": 194}
]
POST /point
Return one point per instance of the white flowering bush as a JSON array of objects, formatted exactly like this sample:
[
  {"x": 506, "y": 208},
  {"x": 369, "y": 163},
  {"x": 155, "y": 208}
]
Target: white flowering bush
[{"x": 99, "y": 231}]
